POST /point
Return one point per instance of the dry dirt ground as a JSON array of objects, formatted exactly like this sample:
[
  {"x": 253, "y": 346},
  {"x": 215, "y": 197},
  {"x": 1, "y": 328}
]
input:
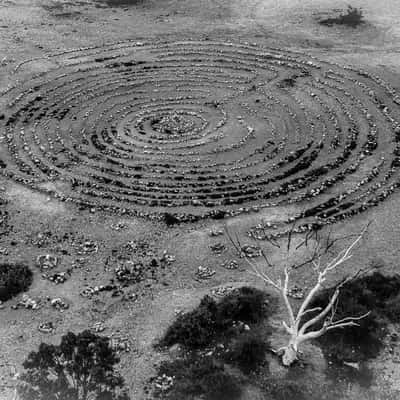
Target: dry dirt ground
[{"x": 33, "y": 28}]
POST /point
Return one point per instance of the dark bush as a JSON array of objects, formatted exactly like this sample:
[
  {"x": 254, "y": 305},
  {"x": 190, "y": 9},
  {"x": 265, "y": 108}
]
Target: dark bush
[
  {"x": 246, "y": 304},
  {"x": 193, "y": 329},
  {"x": 212, "y": 320},
  {"x": 79, "y": 368},
  {"x": 281, "y": 390},
  {"x": 298, "y": 384},
  {"x": 373, "y": 293},
  {"x": 363, "y": 375},
  {"x": 196, "y": 377},
  {"x": 352, "y": 18},
  {"x": 248, "y": 351},
  {"x": 14, "y": 279},
  {"x": 288, "y": 82},
  {"x": 392, "y": 309},
  {"x": 170, "y": 219}
]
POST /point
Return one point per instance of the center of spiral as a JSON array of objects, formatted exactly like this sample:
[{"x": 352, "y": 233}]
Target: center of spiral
[{"x": 172, "y": 124}]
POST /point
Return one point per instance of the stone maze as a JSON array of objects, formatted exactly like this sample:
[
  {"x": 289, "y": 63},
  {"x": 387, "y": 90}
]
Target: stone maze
[{"x": 202, "y": 129}]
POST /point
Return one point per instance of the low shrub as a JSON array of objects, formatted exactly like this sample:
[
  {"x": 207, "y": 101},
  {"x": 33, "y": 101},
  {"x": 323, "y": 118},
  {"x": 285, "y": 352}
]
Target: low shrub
[
  {"x": 353, "y": 18},
  {"x": 195, "y": 377},
  {"x": 298, "y": 384},
  {"x": 363, "y": 374},
  {"x": 246, "y": 304},
  {"x": 288, "y": 82},
  {"x": 248, "y": 351},
  {"x": 211, "y": 320},
  {"x": 14, "y": 279},
  {"x": 375, "y": 293},
  {"x": 281, "y": 390},
  {"x": 193, "y": 329},
  {"x": 170, "y": 219},
  {"x": 219, "y": 328},
  {"x": 392, "y": 309}
]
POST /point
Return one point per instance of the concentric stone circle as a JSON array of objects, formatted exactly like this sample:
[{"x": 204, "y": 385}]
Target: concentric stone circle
[{"x": 203, "y": 129}]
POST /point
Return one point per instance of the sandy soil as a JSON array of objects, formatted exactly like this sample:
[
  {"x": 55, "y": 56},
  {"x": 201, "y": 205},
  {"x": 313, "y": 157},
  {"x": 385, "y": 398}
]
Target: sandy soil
[{"x": 35, "y": 28}]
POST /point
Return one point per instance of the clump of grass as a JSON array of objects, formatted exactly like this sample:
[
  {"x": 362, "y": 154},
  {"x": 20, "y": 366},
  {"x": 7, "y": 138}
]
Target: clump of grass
[
  {"x": 211, "y": 320},
  {"x": 353, "y": 18},
  {"x": 198, "y": 377},
  {"x": 14, "y": 279}
]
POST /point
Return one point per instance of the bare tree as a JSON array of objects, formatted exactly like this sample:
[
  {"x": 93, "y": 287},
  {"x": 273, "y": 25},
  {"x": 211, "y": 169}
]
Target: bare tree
[{"x": 299, "y": 327}]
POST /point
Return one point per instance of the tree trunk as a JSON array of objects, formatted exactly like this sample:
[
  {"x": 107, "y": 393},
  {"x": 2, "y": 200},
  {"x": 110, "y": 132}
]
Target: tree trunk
[
  {"x": 84, "y": 392},
  {"x": 289, "y": 355}
]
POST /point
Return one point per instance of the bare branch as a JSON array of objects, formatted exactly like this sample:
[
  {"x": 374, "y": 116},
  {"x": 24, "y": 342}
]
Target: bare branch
[
  {"x": 330, "y": 242},
  {"x": 253, "y": 265},
  {"x": 352, "y": 277},
  {"x": 350, "y": 319},
  {"x": 262, "y": 275},
  {"x": 287, "y": 327},
  {"x": 286, "y": 299},
  {"x": 344, "y": 254},
  {"x": 308, "y": 261},
  {"x": 311, "y": 310},
  {"x": 305, "y": 241},
  {"x": 312, "y": 335},
  {"x": 321, "y": 315},
  {"x": 272, "y": 241},
  {"x": 317, "y": 265},
  {"x": 298, "y": 329},
  {"x": 289, "y": 239},
  {"x": 266, "y": 259},
  {"x": 236, "y": 246},
  {"x": 350, "y": 323},
  {"x": 308, "y": 299}
]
